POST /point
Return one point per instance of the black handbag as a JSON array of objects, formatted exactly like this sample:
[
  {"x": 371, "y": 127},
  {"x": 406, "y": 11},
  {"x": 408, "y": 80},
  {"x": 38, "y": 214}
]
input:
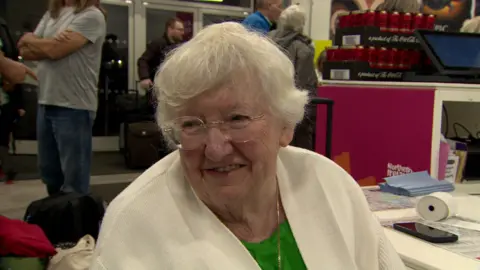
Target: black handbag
[{"x": 67, "y": 217}]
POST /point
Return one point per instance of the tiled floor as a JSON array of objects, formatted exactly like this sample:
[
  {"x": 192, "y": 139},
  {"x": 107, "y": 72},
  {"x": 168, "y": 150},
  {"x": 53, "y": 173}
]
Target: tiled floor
[{"x": 15, "y": 198}]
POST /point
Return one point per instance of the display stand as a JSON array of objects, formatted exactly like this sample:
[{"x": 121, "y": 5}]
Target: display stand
[{"x": 384, "y": 129}]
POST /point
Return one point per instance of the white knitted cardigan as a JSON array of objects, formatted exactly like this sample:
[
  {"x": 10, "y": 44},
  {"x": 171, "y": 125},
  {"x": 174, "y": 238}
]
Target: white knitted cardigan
[{"x": 159, "y": 223}]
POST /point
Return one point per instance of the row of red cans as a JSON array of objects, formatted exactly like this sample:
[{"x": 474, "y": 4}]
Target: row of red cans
[
  {"x": 387, "y": 21},
  {"x": 376, "y": 57}
]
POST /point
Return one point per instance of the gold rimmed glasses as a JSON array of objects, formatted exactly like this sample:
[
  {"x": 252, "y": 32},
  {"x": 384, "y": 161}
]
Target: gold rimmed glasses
[{"x": 190, "y": 132}]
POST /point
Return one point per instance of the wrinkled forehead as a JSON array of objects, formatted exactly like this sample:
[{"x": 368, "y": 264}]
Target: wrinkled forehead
[{"x": 225, "y": 101}]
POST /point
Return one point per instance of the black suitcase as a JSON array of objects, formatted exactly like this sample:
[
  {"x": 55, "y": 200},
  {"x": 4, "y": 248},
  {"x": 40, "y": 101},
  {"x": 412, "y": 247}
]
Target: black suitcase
[
  {"x": 328, "y": 137},
  {"x": 143, "y": 144}
]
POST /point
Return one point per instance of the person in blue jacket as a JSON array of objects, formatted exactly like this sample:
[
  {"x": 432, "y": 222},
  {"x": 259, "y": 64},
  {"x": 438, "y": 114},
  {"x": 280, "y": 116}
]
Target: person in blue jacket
[{"x": 267, "y": 13}]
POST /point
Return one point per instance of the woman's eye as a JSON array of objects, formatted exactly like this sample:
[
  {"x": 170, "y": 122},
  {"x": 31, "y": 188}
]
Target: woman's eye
[
  {"x": 239, "y": 118},
  {"x": 190, "y": 124}
]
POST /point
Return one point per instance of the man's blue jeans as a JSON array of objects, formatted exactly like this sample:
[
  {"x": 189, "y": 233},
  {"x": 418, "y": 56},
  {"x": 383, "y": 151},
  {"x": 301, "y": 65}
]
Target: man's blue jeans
[{"x": 64, "y": 138}]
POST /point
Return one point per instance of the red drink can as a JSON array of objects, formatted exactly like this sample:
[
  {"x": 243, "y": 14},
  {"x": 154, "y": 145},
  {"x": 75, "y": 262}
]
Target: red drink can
[
  {"x": 418, "y": 22},
  {"x": 369, "y": 18},
  {"x": 348, "y": 53},
  {"x": 381, "y": 20},
  {"x": 393, "y": 22},
  {"x": 393, "y": 60},
  {"x": 344, "y": 20},
  {"x": 361, "y": 54},
  {"x": 415, "y": 58},
  {"x": 357, "y": 17},
  {"x": 406, "y": 23},
  {"x": 382, "y": 57},
  {"x": 404, "y": 59},
  {"x": 332, "y": 54},
  {"x": 429, "y": 22},
  {"x": 372, "y": 56}
]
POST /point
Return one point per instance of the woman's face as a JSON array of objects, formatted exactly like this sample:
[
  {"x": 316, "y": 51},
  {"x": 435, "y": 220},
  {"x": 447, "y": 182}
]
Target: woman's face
[{"x": 222, "y": 169}]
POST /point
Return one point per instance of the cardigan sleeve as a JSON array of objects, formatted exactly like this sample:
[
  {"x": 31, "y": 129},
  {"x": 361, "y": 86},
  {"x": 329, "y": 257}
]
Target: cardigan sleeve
[{"x": 388, "y": 258}]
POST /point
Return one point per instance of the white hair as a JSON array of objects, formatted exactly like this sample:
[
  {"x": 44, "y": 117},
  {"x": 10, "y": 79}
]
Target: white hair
[
  {"x": 292, "y": 18},
  {"x": 471, "y": 26},
  {"x": 228, "y": 55}
]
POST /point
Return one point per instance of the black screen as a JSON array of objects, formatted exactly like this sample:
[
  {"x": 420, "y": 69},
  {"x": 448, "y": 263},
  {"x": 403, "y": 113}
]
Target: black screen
[
  {"x": 425, "y": 230},
  {"x": 456, "y": 51}
]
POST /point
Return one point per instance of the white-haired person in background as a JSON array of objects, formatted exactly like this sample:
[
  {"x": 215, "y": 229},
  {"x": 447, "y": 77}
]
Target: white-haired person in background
[
  {"x": 234, "y": 195},
  {"x": 471, "y": 25},
  {"x": 298, "y": 47},
  {"x": 400, "y": 6}
]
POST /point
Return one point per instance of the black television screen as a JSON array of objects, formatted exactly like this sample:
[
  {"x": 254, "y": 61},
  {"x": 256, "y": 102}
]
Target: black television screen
[
  {"x": 452, "y": 52},
  {"x": 456, "y": 51}
]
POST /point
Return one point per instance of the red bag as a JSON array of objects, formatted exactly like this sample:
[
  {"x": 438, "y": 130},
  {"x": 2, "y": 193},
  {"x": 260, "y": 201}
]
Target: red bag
[{"x": 18, "y": 238}]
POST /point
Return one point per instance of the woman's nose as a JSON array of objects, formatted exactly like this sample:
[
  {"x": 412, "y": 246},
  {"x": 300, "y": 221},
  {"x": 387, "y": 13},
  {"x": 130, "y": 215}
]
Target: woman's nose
[{"x": 217, "y": 145}]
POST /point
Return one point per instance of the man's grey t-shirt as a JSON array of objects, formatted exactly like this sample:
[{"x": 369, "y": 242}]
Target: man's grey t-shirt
[{"x": 72, "y": 81}]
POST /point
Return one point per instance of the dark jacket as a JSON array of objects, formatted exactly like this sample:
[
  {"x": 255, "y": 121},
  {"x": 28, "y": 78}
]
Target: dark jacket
[
  {"x": 153, "y": 57},
  {"x": 301, "y": 52}
]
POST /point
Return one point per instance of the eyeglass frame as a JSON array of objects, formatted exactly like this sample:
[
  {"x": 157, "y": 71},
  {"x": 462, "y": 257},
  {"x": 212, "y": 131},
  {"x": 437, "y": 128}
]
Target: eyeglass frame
[{"x": 206, "y": 125}]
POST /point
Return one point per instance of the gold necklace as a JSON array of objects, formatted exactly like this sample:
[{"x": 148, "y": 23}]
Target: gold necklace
[{"x": 278, "y": 231}]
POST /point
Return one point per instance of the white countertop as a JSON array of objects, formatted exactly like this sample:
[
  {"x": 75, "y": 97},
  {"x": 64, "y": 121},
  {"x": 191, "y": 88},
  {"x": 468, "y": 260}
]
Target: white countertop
[{"x": 419, "y": 254}]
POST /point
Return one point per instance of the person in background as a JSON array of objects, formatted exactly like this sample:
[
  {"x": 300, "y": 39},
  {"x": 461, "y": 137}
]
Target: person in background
[
  {"x": 156, "y": 51},
  {"x": 11, "y": 107},
  {"x": 13, "y": 72},
  {"x": 266, "y": 15},
  {"x": 411, "y": 6},
  {"x": 322, "y": 58},
  {"x": 299, "y": 49},
  {"x": 68, "y": 44},
  {"x": 235, "y": 195},
  {"x": 471, "y": 25}
]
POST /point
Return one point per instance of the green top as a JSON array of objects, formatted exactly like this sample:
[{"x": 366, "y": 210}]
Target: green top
[{"x": 265, "y": 252}]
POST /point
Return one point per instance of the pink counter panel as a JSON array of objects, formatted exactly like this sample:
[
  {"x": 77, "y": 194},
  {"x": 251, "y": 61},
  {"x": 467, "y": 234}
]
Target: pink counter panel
[{"x": 378, "y": 131}]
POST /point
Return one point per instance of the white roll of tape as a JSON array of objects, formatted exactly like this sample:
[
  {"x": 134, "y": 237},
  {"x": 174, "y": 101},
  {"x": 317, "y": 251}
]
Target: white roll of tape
[{"x": 437, "y": 206}]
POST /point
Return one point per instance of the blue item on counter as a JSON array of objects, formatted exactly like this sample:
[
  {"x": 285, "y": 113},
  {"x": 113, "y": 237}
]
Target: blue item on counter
[{"x": 415, "y": 184}]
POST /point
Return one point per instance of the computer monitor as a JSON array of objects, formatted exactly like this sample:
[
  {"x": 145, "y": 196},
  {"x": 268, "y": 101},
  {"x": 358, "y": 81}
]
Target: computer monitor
[{"x": 452, "y": 53}]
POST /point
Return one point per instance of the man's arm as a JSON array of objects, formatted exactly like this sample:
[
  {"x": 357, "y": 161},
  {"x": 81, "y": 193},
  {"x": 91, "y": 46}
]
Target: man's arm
[
  {"x": 153, "y": 50},
  {"x": 86, "y": 28},
  {"x": 30, "y": 53},
  {"x": 35, "y": 48}
]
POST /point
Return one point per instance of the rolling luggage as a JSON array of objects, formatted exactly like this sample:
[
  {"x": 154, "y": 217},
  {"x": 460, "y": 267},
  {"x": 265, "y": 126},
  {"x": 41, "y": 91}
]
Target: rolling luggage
[
  {"x": 329, "y": 127},
  {"x": 143, "y": 144}
]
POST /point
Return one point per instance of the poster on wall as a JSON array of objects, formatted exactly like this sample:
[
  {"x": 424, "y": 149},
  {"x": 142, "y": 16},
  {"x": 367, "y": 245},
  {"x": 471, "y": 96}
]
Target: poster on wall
[
  {"x": 187, "y": 18},
  {"x": 450, "y": 13}
]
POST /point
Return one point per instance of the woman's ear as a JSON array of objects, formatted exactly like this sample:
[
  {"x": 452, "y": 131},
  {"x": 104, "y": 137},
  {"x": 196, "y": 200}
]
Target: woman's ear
[{"x": 286, "y": 137}]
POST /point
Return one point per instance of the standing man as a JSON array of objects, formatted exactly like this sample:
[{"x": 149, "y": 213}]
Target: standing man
[
  {"x": 68, "y": 44},
  {"x": 154, "y": 56},
  {"x": 266, "y": 15},
  {"x": 156, "y": 51}
]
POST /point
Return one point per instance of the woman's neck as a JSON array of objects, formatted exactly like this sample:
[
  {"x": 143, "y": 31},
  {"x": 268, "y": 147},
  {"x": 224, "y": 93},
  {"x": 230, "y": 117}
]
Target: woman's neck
[{"x": 252, "y": 220}]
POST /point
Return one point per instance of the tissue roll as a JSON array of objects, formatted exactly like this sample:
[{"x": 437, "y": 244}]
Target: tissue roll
[{"x": 436, "y": 206}]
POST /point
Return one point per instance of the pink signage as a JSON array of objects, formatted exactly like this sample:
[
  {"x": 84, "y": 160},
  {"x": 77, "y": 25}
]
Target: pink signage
[{"x": 378, "y": 132}]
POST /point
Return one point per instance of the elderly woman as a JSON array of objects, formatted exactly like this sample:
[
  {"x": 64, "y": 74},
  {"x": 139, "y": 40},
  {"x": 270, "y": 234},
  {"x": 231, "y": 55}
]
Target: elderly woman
[
  {"x": 235, "y": 195},
  {"x": 298, "y": 47}
]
